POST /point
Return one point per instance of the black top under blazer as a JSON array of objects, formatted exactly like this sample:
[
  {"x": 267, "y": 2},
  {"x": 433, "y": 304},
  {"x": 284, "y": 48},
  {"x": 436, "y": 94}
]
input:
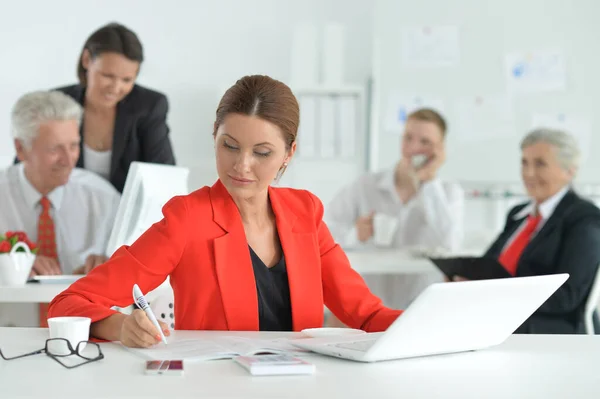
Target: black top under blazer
[
  {"x": 141, "y": 132},
  {"x": 569, "y": 242}
]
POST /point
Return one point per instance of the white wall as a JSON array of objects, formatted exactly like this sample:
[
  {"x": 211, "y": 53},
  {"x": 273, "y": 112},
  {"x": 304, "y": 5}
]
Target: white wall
[
  {"x": 488, "y": 30},
  {"x": 193, "y": 49}
]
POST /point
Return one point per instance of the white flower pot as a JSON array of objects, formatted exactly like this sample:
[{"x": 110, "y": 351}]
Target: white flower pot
[{"x": 16, "y": 266}]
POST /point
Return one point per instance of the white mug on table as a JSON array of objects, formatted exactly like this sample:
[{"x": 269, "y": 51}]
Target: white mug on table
[{"x": 73, "y": 329}]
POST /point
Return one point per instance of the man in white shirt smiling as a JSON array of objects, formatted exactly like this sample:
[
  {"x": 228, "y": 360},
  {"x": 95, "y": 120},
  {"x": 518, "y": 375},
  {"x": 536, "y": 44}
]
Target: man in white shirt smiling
[
  {"x": 80, "y": 205},
  {"x": 409, "y": 201}
]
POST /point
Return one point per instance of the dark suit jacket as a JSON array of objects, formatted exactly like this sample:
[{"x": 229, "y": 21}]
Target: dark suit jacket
[
  {"x": 141, "y": 132},
  {"x": 569, "y": 242}
]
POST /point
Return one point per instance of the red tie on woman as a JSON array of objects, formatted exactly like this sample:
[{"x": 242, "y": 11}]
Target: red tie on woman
[
  {"x": 46, "y": 246},
  {"x": 510, "y": 257}
]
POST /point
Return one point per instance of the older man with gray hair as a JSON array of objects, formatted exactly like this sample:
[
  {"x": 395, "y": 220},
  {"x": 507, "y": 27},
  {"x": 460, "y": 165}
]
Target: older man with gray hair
[
  {"x": 556, "y": 231},
  {"x": 69, "y": 212}
]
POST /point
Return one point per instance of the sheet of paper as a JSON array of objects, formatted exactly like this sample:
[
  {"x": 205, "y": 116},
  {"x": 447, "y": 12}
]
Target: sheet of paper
[
  {"x": 536, "y": 71},
  {"x": 327, "y": 127},
  {"x": 214, "y": 348},
  {"x": 400, "y": 105},
  {"x": 431, "y": 46},
  {"x": 347, "y": 125},
  {"x": 483, "y": 117},
  {"x": 308, "y": 127},
  {"x": 185, "y": 349},
  {"x": 249, "y": 345},
  {"x": 580, "y": 126}
]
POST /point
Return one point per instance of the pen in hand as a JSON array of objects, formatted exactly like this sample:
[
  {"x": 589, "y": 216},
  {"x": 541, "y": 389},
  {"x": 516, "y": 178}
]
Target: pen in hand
[{"x": 140, "y": 300}]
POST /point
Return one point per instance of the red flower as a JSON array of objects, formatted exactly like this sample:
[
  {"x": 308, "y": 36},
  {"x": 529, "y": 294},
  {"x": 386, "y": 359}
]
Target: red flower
[
  {"x": 9, "y": 234},
  {"x": 21, "y": 236},
  {"x": 4, "y": 246}
]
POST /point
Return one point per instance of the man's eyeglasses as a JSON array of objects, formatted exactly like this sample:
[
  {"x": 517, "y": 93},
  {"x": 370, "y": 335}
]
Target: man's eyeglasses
[{"x": 58, "y": 348}]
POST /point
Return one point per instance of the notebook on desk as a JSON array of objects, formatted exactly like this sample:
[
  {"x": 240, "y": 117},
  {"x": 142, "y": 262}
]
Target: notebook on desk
[
  {"x": 471, "y": 268},
  {"x": 214, "y": 348}
]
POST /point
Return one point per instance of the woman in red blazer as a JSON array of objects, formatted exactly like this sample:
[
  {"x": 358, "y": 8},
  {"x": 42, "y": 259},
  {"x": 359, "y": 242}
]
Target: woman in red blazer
[{"x": 219, "y": 244}]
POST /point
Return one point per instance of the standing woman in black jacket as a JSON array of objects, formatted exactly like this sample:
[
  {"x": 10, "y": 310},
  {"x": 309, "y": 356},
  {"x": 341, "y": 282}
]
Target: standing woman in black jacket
[{"x": 123, "y": 122}]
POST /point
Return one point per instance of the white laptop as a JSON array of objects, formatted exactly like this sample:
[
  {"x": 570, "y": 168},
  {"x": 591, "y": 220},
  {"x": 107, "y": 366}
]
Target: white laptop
[{"x": 447, "y": 318}]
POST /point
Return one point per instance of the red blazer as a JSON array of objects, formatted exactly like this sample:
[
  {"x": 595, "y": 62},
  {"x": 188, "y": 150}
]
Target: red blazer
[{"x": 200, "y": 243}]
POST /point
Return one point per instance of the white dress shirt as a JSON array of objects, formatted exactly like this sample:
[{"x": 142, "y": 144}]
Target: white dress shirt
[
  {"x": 433, "y": 218},
  {"x": 97, "y": 161},
  {"x": 546, "y": 209},
  {"x": 83, "y": 211}
]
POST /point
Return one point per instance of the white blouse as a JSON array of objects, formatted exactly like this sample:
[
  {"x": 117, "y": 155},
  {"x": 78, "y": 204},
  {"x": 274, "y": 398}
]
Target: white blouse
[{"x": 97, "y": 161}]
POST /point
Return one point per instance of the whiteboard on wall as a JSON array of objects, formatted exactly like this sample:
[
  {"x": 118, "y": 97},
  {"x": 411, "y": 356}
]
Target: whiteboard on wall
[{"x": 475, "y": 89}]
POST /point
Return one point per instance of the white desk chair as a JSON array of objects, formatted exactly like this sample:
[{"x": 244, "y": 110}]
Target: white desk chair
[{"x": 591, "y": 305}]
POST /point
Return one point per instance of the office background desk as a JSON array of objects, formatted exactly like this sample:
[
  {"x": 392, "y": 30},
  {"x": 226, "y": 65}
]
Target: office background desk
[
  {"x": 365, "y": 262},
  {"x": 31, "y": 293},
  {"x": 523, "y": 367}
]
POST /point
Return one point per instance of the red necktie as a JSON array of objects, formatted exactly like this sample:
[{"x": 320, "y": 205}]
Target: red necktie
[
  {"x": 510, "y": 257},
  {"x": 46, "y": 235},
  {"x": 46, "y": 246}
]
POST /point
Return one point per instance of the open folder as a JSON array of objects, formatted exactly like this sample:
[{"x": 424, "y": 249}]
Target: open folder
[{"x": 471, "y": 268}]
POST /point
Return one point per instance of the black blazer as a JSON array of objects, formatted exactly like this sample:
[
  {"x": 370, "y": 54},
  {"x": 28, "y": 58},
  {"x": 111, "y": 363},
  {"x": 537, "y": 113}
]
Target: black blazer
[
  {"x": 569, "y": 242},
  {"x": 141, "y": 132}
]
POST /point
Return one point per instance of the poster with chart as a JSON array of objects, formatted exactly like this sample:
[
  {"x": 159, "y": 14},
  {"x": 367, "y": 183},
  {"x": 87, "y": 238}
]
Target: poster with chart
[
  {"x": 399, "y": 106},
  {"x": 580, "y": 126},
  {"x": 536, "y": 71},
  {"x": 483, "y": 117},
  {"x": 431, "y": 46}
]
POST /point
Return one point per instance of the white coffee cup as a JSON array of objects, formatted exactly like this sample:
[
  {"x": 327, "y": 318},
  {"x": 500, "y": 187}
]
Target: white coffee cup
[
  {"x": 384, "y": 228},
  {"x": 73, "y": 329}
]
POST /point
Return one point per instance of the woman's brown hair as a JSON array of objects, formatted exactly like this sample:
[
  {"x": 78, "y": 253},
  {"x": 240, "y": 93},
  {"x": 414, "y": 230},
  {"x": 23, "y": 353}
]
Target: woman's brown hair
[{"x": 265, "y": 98}]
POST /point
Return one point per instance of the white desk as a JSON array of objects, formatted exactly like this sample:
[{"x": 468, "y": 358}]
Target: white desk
[
  {"x": 31, "y": 293},
  {"x": 523, "y": 367},
  {"x": 384, "y": 261}
]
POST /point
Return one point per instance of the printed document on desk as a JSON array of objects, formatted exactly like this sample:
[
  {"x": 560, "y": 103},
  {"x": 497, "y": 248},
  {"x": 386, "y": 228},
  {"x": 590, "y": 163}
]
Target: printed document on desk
[{"x": 214, "y": 348}]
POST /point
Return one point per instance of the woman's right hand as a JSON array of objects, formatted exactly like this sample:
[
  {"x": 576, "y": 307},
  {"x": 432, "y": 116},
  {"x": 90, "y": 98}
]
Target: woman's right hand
[{"x": 137, "y": 331}]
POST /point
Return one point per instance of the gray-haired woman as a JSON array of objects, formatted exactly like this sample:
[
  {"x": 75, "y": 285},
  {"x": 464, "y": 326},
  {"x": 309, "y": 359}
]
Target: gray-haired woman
[{"x": 555, "y": 232}]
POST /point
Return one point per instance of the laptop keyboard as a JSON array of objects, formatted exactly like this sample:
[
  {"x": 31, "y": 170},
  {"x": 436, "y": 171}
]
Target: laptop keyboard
[{"x": 361, "y": 346}]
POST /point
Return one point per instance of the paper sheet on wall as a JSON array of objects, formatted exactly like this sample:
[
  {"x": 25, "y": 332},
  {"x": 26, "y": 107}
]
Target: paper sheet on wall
[
  {"x": 579, "y": 126},
  {"x": 536, "y": 71},
  {"x": 399, "y": 106},
  {"x": 431, "y": 46},
  {"x": 484, "y": 117}
]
